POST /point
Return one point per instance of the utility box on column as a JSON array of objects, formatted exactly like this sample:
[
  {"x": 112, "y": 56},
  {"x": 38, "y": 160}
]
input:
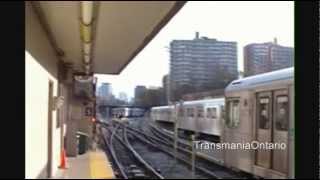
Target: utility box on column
[{"x": 82, "y": 142}]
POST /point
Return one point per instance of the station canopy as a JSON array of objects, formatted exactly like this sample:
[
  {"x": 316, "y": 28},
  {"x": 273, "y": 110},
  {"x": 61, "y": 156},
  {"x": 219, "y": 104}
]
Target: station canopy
[{"x": 120, "y": 30}]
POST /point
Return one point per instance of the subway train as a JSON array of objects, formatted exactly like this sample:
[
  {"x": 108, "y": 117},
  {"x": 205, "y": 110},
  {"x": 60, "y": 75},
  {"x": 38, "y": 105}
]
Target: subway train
[
  {"x": 126, "y": 112},
  {"x": 259, "y": 109},
  {"x": 202, "y": 116}
]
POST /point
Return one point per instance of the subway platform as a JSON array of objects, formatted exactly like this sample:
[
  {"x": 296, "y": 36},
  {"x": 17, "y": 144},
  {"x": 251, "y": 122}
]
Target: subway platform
[{"x": 94, "y": 164}]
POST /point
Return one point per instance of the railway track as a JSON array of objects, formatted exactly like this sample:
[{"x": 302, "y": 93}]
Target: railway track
[
  {"x": 164, "y": 160},
  {"x": 151, "y": 151},
  {"x": 129, "y": 164},
  {"x": 157, "y": 158},
  {"x": 159, "y": 136}
]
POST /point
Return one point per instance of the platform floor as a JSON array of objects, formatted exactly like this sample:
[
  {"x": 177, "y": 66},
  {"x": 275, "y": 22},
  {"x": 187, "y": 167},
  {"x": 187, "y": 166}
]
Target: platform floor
[{"x": 91, "y": 165}]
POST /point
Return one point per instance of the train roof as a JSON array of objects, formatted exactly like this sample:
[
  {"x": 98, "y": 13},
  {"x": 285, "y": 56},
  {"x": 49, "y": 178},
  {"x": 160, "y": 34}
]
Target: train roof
[
  {"x": 121, "y": 108},
  {"x": 202, "y": 101},
  {"x": 261, "y": 79},
  {"x": 161, "y": 107}
]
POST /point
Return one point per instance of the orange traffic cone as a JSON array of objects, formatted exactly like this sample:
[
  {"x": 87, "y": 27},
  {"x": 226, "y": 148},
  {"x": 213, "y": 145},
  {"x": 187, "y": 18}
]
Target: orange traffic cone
[{"x": 63, "y": 164}]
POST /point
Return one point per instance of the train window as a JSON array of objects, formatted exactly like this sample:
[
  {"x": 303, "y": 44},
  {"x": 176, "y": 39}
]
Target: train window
[
  {"x": 181, "y": 112},
  {"x": 193, "y": 114},
  {"x": 211, "y": 112},
  {"x": 233, "y": 118},
  {"x": 169, "y": 113},
  {"x": 264, "y": 119},
  {"x": 282, "y": 113},
  {"x": 200, "y": 111},
  {"x": 214, "y": 113},
  {"x": 208, "y": 112},
  {"x": 190, "y": 112}
]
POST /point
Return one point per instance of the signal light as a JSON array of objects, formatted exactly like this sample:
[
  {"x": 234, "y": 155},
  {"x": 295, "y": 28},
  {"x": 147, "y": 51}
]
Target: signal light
[{"x": 93, "y": 120}]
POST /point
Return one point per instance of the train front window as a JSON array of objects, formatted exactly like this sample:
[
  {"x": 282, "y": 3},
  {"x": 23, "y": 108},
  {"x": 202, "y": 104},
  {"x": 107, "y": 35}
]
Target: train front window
[
  {"x": 282, "y": 113},
  {"x": 264, "y": 119},
  {"x": 233, "y": 118}
]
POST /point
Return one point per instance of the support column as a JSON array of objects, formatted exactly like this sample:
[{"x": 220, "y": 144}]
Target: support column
[{"x": 72, "y": 128}]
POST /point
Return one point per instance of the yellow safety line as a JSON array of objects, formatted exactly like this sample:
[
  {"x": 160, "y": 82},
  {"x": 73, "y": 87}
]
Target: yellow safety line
[{"x": 99, "y": 168}]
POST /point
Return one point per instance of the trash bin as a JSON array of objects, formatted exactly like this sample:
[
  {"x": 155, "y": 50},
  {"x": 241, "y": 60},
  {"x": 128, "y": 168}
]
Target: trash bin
[{"x": 82, "y": 142}]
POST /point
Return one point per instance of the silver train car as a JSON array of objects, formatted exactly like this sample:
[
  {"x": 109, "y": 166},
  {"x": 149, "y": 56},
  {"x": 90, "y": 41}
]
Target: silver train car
[
  {"x": 127, "y": 112},
  {"x": 162, "y": 113},
  {"x": 124, "y": 112},
  {"x": 261, "y": 108},
  {"x": 136, "y": 112},
  {"x": 202, "y": 116}
]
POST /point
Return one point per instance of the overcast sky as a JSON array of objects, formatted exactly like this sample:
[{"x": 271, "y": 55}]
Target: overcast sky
[{"x": 243, "y": 22}]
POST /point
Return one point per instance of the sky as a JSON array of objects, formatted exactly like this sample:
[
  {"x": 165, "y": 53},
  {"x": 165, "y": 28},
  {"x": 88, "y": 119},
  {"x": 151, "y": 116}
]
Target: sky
[{"x": 244, "y": 22}]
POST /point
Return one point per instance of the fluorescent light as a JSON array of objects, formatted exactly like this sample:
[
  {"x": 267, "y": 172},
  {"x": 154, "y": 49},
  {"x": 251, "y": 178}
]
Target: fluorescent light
[
  {"x": 87, "y": 7},
  {"x": 87, "y": 67},
  {"x": 85, "y": 28},
  {"x": 86, "y": 33},
  {"x": 87, "y": 71},
  {"x": 86, "y": 48},
  {"x": 86, "y": 58}
]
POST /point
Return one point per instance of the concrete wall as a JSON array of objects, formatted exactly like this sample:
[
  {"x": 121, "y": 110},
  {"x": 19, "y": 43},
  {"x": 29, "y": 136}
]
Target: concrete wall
[
  {"x": 86, "y": 125},
  {"x": 75, "y": 112},
  {"x": 40, "y": 68},
  {"x": 77, "y": 122}
]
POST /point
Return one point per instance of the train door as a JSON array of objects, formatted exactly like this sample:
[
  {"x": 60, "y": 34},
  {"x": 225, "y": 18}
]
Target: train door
[
  {"x": 194, "y": 118},
  {"x": 272, "y": 127},
  {"x": 212, "y": 121},
  {"x": 188, "y": 123},
  {"x": 280, "y": 129},
  {"x": 264, "y": 127},
  {"x": 208, "y": 119},
  {"x": 221, "y": 119},
  {"x": 199, "y": 120}
]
